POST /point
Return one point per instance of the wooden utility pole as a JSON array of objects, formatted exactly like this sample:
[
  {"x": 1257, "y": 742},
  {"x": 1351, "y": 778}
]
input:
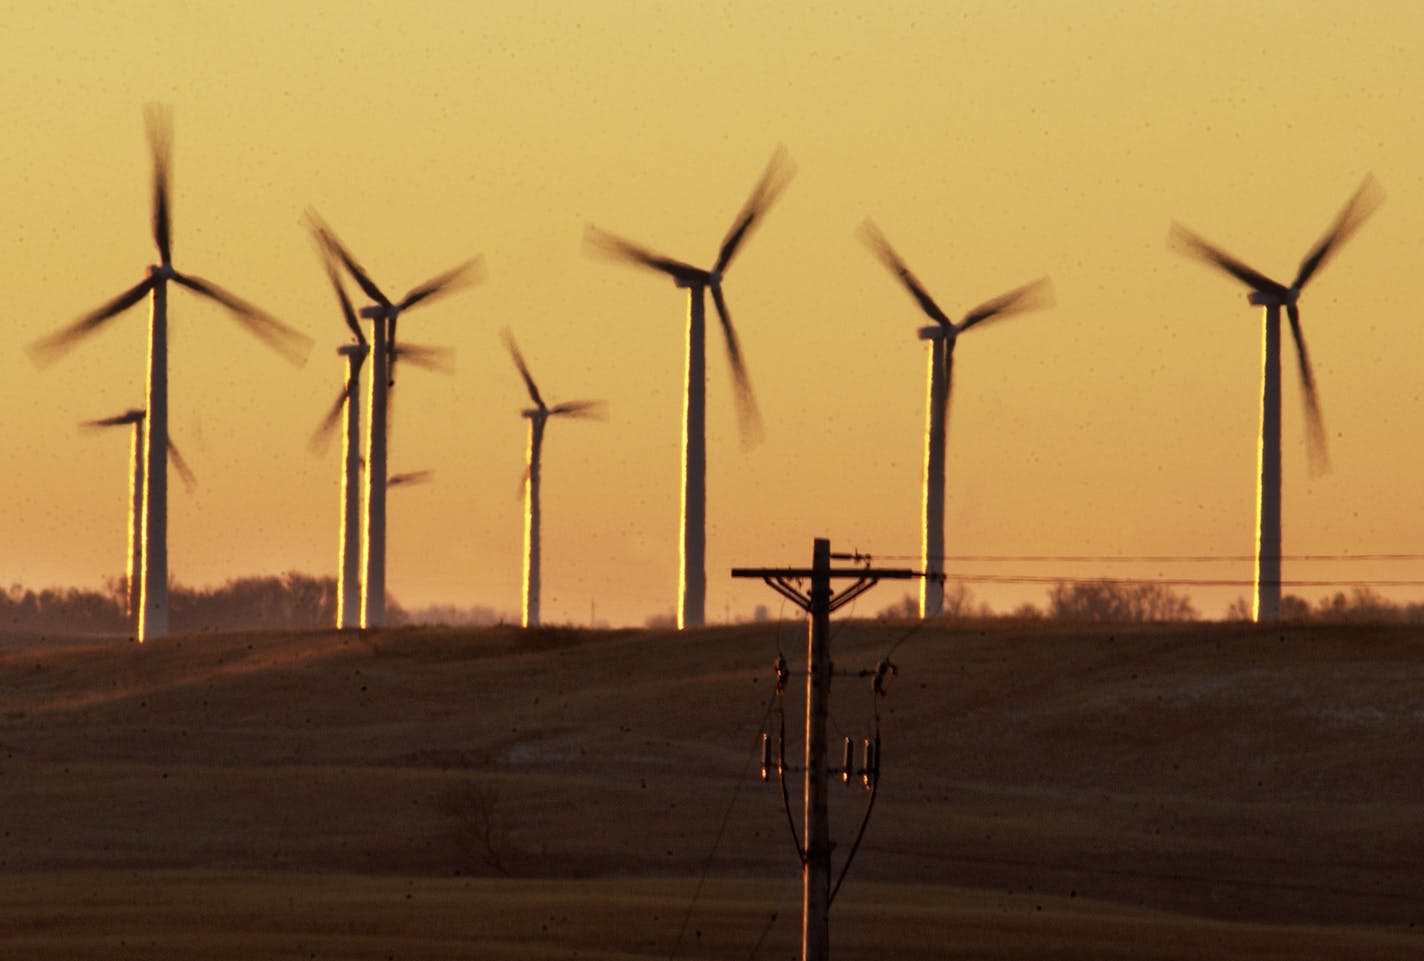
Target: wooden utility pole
[{"x": 816, "y": 833}]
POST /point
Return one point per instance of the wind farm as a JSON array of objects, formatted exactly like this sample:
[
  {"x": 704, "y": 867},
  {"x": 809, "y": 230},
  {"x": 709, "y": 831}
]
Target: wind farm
[{"x": 1109, "y": 706}]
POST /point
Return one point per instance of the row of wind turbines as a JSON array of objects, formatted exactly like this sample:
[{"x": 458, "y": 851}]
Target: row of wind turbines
[{"x": 361, "y": 580}]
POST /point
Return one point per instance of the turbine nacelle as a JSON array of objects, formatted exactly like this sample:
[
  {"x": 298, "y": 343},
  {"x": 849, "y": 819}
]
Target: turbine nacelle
[
  {"x": 353, "y": 350},
  {"x": 1274, "y": 298},
  {"x": 937, "y": 332},
  {"x": 373, "y": 312}
]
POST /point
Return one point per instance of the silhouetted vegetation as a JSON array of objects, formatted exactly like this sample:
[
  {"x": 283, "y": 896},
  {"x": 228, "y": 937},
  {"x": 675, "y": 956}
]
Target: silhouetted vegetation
[
  {"x": 1361, "y": 606},
  {"x": 290, "y": 601},
  {"x": 1118, "y": 602}
]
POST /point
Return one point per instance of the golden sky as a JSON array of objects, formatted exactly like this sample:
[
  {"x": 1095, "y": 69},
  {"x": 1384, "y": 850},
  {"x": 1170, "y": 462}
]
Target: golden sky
[{"x": 992, "y": 142}]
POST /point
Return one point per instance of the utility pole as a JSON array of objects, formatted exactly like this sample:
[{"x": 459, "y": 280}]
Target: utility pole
[{"x": 816, "y": 841}]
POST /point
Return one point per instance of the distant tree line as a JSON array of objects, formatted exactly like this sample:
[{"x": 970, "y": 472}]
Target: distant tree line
[
  {"x": 289, "y": 601},
  {"x": 1141, "y": 602}
]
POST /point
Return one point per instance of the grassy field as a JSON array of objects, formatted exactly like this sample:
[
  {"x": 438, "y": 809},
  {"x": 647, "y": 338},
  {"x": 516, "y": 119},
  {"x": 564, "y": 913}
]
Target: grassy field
[{"x": 1205, "y": 791}]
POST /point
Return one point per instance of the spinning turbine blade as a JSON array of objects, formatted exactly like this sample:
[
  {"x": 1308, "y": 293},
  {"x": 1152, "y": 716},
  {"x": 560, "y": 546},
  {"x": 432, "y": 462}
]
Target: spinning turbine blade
[
  {"x": 190, "y": 481},
  {"x": 333, "y": 244},
  {"x": 127, "y": 417},
  {"x": 748, "y": 417},
  {"x": 773, "y": 181},
  {"x": 1184, "y": 241},
  {"x": 882, "y": 249},
  {"x": 160, "y": 140},
  {"x": 595, "y": 409},
  {"x": 617, "y": 248},
  {"x": 413, "y": 477},
  {"x": 48, "y": 349},
  {"x": 1316, "y": 449},
  {"x": 348, "y": 313},
  {"x": 523, "y": 370},
  {"x": 439, "y": 359},
  {"x": 321, "y": 437},
  {"x": 1030, "y": 296},
  {"x": 288, "y": 342},
  {"x": 467, "y": 273},
  {"x": 1359, "y": 207}
]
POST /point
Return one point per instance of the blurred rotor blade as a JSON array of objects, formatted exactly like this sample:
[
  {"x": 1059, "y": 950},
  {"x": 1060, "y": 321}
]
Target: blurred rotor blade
[
  {"x": 348, "y": 313},
  {"x": 470, "y": 272},
  {"x": 773, "y": 181},
  {"x": 948, "y": 380},
  {"x": 1185, "y": 242},
  {"x": 181, "y": 466},
  {"x": 593, "y": 409},
  {"x": 132, "y": 416},
  {"x": 1359, "y": 207},
  {"x": 159, "y": 119},
  {"x": 414, "y": 477},
  {"x": 50, "y": 348},
  {"x": 1030, "y": 296},
  {"x": 1315, "y": 443},
  {"x": 320, "y": 439},
  {"x": 876, "y": 241},
  {"x": 523, "y": 369},
  {"x": 439, "y": 359},
  {"x": 333, "y": 243},
  {"x": 748, "y": 417},
  {"x": 609, "y": 245},
  {"x": 287, "y": 341}
]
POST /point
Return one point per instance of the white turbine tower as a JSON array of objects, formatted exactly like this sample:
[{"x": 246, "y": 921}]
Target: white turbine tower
[
  {"x": 383, "y": 315},
  {"x": 942, "y": 336},
  {"x": 133, "y": 562},
  {"x": 348, "y": 401},
  {"x": 153, "y": 579},
  {"x": 538, "y": 416},
  {"x": 1271, "y": 296},
  {"x": 692, "y": 546}
]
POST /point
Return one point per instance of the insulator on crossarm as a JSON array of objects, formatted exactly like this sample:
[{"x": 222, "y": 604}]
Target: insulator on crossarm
[
  {"x": 848, "y": 761},
  {"x": 765, "y": 755},
  {"x": 870, "y": 766}
]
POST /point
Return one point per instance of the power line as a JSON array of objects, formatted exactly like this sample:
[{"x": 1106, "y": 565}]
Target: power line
[
  {"x": 1169, "y": 581},
  {"x": 1138, "y": 558}
]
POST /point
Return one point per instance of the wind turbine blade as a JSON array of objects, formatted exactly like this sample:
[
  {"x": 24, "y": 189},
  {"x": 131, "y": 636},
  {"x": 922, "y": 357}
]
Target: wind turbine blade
[
  {"x": 592, "y": 409},
  {"x": 1031, "y": 296},
  {"x": 1316, "y": 450},
  {"x": 190, "y": 480},
  {"x": 348, "y": 313},
  {"x": 289, "y": 342},
  {"x": 1185, "y": 242},
  {"x": 333, "y": 243},
  {"x": 321, "y": 437},
  {"x": 523, "y": 369},
  {"x": 1359, "y": 207},
  {"x": 470, "y": 272},
  {"x": 878, "y": 245},
  {"x": 413, "y": 477},
  {"x": 50, "y": 348},
  {"x": 128, "y": 417},
  {"x": 608, "y": 245},
  {"x": 773, "y": 181},
  {"x": 160, "y": 139},
  {"x": 748, "y": 417},
  {"x": 439, "y": 359}
]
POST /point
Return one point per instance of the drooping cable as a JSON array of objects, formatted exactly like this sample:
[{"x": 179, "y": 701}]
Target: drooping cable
[{"x": 877, "y": 691}]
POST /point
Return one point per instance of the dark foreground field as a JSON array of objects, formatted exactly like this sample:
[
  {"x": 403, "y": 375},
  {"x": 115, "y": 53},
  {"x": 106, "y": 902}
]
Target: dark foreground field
[{"x": 1048, "y": 792}]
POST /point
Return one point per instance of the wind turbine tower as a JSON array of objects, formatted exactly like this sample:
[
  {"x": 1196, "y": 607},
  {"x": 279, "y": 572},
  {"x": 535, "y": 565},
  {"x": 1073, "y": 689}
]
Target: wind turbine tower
[
  {"x": 692, "y": 544},
  {"x": 1271, "y": 296},
  {"x": 538, "y": 417},
  {"x": 153, "y": 580},
  {"x": 383, "y": 314},
  {"x": 941, "y": 337}
]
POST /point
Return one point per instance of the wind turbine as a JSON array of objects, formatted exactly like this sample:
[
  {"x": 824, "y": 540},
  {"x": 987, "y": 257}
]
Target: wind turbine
[
  {"x": 348, "y": 582},
  {"x": 692, "y": 546},
  {"x": 1271, "y": 296},
  {"x": 153, "y": 580},
  {"x": 538, "y": 416},
  {"x": 383, "y": 314},
  {"x": 942, "y": 336},
  {"x": 134, "y": 561}
]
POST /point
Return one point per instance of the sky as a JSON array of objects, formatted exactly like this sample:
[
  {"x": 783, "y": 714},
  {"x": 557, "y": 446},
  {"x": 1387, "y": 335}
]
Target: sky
[{"x": 993, "y": 143}]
